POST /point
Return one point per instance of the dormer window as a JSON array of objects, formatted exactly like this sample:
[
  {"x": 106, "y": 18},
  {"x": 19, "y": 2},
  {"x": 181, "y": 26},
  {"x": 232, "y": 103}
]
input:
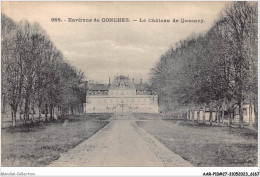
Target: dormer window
[{"x": 122, "y": 85}]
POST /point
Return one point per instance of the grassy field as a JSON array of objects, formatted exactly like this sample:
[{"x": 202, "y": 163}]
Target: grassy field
[
  {"x": 204, "y": 145},
  {"x": 147, "y": 116},
  {"x": 42, "y": 143}
]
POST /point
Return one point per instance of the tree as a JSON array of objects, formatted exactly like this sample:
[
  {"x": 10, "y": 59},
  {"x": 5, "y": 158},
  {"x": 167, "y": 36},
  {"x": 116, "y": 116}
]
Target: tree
[
  {"x": 12, "y": 70},
  {"x": 240, "y": 19},
  {"x": 35, "y": 73},
  {"x": 217, "y": 69}
]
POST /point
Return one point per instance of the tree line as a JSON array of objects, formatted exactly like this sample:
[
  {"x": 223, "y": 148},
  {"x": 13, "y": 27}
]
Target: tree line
[
  {"x": 216, "y": 70},
  {"x": 35, "y": 74}
]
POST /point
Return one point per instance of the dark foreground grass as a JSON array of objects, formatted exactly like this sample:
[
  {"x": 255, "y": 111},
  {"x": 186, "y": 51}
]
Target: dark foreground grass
[
  {"x": 204, "y": 145},
  {"x": 40, "y": 144}
]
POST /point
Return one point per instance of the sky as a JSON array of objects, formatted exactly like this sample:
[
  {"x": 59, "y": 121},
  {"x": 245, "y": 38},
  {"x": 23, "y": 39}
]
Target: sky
[{"x": 103, "y": 50}]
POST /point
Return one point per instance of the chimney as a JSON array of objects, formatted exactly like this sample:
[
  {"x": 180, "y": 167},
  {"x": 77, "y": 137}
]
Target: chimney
[
  {"x": 109, "y": 81},
  {"x": 133, "y": 80},
  {"x": 141, "y": 81}
]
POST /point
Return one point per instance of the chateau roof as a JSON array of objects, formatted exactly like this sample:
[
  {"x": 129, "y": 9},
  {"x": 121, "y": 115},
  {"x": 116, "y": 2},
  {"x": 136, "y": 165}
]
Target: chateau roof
[
  {"x": 121, "y": 77},
  {"x": 142, "y": 87},
  {"x": 100, "y": 87},
  {"x": 122, "y": 82}
]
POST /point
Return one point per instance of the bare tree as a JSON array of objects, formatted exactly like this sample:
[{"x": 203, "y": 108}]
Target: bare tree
[
  {"x": 217, "y": 69},
  {"x": 35, "y": 73}
]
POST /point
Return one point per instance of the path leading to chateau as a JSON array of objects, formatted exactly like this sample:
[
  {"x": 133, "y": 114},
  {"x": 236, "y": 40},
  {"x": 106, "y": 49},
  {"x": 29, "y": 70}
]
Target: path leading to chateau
[{"x": 122, "y": 144}]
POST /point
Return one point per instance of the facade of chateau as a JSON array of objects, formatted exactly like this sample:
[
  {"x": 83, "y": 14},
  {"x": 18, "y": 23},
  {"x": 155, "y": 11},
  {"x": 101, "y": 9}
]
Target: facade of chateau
[{"x": 122, "y": 96}]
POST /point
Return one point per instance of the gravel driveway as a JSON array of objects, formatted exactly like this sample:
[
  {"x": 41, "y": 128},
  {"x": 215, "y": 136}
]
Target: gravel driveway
[{"x": 120, "y": 144}]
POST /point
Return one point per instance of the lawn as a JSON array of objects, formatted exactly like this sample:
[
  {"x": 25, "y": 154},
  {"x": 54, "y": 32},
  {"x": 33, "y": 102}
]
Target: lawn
[
  {"x": 40, "y": 144},
  {"x": 204, "y": 145}
]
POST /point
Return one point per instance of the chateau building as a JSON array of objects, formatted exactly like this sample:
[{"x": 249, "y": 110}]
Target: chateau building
[{"x": 122, "y": 96}]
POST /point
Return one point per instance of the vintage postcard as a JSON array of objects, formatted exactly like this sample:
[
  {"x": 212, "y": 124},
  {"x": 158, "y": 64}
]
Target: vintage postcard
[{"x": 129, "y": 84}]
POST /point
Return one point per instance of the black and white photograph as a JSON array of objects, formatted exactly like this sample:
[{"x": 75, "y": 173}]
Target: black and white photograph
[{"x": 129, "y": 84}]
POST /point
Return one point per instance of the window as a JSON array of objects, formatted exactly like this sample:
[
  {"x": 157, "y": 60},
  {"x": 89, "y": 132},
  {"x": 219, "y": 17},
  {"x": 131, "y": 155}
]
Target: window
[{"x": 245, "y": 111}]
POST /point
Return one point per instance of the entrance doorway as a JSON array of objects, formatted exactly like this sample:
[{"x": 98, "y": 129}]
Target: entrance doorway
[{"x": 121, "y": 110}]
